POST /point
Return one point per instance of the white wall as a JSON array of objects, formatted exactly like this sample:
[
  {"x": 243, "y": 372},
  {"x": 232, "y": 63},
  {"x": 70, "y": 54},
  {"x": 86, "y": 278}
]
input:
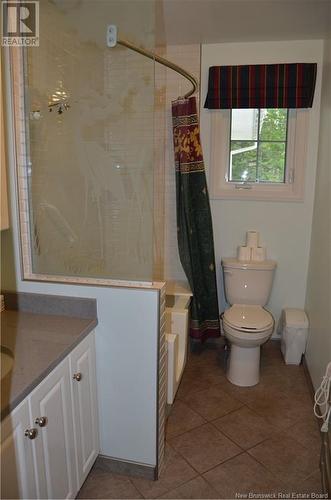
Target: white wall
[
  {"x": 285, "y": 227},
  {"x": 318, "y": 300},
  {"x": 215, "y": 21}
]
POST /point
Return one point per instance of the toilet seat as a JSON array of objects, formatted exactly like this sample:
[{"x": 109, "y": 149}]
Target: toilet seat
[{"x": 248, "y": 319}]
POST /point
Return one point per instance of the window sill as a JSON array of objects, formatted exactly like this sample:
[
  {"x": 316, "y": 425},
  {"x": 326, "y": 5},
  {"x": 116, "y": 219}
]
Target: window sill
[{"x": 258, "y": 193}]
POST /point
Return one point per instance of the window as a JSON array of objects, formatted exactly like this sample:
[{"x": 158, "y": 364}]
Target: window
[
  {"x": 258, "y": 153},
  {"x": 258, "y": 145}
]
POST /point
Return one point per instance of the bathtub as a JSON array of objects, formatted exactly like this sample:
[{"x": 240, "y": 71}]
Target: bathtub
[{"x": 178, "y": 298}]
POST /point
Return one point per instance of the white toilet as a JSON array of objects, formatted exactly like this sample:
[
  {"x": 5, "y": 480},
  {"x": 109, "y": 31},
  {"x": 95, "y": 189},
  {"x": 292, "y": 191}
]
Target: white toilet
[{"x": 247, "y": 325}]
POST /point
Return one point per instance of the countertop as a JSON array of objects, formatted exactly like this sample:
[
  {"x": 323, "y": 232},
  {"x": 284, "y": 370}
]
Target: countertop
[{"x": 39, "y": 342}]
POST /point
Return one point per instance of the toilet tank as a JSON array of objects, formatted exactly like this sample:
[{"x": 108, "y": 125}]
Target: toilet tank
[{"x": 248, "y": 282}]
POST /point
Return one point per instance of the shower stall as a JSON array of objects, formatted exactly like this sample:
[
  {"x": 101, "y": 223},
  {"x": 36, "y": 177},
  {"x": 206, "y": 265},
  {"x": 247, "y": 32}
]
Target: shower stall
[
  {"x": 93, "y": 142},
  {"x": 90, "y": 114}
]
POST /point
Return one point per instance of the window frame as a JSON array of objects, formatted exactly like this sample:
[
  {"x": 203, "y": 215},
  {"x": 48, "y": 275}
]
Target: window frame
[{"x": 293, "y": 187}]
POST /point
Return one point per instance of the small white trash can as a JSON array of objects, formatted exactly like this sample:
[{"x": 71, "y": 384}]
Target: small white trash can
[{"x": 294, "y": 330}]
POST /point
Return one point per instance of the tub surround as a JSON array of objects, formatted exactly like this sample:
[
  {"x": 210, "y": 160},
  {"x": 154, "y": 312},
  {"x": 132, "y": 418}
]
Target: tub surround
[
  {"x": 40, "y": 331},
  {"x": 177, "y": 328}
]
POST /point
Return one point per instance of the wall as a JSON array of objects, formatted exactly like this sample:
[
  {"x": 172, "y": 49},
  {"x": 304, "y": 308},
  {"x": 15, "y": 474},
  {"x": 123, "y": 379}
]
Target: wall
[
  {"x": 215, "y": 21},
  {"x": 318, "y": 298},
  {"x": 284, "y": 226}
]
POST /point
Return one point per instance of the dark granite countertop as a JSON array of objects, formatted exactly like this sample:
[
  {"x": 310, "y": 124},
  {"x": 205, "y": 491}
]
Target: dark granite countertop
[{"x": 39, "y": 342}]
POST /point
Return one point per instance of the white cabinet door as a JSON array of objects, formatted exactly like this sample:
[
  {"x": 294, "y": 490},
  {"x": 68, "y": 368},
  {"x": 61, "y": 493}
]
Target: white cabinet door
[
  {"x": 83, "y": 383},
  {"x": 54, "y": 447},
  {"x": 17, "y": 471}
]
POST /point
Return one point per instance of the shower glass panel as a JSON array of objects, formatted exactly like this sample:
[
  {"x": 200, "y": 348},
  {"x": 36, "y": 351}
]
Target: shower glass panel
[{"x": 90, "y": 123}]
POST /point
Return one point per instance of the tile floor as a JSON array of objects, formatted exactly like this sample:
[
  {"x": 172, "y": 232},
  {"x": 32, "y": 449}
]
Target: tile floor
[{"x": 224, "y": 440}]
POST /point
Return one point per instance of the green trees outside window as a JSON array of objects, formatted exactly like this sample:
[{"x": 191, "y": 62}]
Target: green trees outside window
[{"x": 258, "y": 145}]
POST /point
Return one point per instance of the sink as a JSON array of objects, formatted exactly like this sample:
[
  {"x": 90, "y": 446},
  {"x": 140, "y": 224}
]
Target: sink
[{"x": 7, "y": 361}]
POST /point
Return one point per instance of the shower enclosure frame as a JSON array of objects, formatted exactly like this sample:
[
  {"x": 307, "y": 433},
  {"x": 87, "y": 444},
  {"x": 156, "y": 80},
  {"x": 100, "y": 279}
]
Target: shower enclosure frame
[{"x": 15, "y": 78}]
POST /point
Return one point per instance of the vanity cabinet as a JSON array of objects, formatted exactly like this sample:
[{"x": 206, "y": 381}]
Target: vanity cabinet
[
  {"x": 17, "y": 470},
  {"x": 50, "y": 442},
  {"x": 85, "y": 410},
  {"x": 52, "y": 416}
]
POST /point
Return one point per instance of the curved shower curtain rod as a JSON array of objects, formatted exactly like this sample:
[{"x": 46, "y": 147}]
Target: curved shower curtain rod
[{"x": 112, "y": 41}]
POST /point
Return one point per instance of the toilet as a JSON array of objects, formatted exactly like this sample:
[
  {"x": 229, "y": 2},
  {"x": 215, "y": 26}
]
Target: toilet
[{"x": 247, "y": 325}]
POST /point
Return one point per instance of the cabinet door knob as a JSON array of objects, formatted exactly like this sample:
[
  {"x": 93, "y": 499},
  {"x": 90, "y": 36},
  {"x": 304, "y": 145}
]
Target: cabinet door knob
[
  {"x": 31, "y": 433},
  {"x": 41, "y": 421},
  {"x": 77, "y": 376}
]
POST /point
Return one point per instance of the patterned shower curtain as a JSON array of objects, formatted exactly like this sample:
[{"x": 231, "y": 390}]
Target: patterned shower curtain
[{"x": 194, "y": 223}]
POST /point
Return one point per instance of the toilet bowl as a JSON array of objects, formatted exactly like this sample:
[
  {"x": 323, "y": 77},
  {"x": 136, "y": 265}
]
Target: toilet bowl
[{"x": 247, "y": 325}]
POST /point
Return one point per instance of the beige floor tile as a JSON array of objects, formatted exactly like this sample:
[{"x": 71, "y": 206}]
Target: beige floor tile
[
  {"x": 196, "y": 488},
  {"x": 181, "y": 419},
  {"x": 311, "y": 485},
  {"x": 285, "y": 378},
  {"x": 245, "y": 427},
  {"x": 270, "y": 352},
  {"x": 212, "y": 403},
  {"x": 207, "y": 357},
  {"x": 205, "y": 447},
  {"x": 244, "y": 394},
  {"x": 286, "y": 458},
  {"x": 101, "y": 484},
  {"x": 272, "y": 420},
  {"x": 280, "y": 409},
  {"x": 197, "y": 378},
  {"x": 242, "y": 475},
  {"x": 176, "y": 471},
  {"x": 307, "y": 433}
]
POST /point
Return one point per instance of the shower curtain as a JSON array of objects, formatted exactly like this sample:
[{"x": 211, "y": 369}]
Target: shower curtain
[{"x": 194, "y": 223}]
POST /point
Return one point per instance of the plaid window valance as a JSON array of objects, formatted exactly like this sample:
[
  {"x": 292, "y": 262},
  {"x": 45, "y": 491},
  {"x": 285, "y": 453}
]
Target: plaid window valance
[{"x": 261, "y": 86}]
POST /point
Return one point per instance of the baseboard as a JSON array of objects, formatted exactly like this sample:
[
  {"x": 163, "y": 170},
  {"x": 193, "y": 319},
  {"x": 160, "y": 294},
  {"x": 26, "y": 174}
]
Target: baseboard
[
  {"x": 308, "y": 377},
  {"x": 119, "y": 466}
]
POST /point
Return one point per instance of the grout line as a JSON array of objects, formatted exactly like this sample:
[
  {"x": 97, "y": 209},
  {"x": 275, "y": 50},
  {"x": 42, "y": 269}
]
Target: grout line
[
  {"x": 184, "y": 432},
  {"x": 200, "y": 473},
  {"x": 213, "y": 420},
  {"x": 242, "y": 452},
  {"x": 227, "y": 414},
  {"x": 230, "y": 439}
]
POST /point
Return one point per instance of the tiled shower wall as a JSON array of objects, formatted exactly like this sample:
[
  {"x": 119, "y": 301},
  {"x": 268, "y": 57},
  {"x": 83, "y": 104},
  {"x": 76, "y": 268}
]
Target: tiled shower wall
[
  {"x": 92, "y": 170},
  {"x": 104, "y": 139}
]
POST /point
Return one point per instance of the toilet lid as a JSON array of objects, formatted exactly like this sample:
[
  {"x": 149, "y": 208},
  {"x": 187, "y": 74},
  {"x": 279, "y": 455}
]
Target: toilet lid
[{"x": 248, "y": 317}]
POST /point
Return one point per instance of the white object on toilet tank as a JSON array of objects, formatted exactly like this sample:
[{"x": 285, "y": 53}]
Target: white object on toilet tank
[
  {"x": 258, "y": 254},
  {"x": 252, "y": 239},
  {"x": 244, "y": 253}
]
